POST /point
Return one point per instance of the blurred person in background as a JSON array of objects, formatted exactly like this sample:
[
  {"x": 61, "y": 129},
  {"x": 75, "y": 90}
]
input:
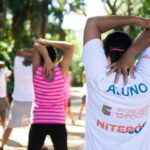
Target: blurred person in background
[
  {"x": 5, "y": 73},
  {"x": 69, "y": 112},
  {"x": 23, "y": 93}
]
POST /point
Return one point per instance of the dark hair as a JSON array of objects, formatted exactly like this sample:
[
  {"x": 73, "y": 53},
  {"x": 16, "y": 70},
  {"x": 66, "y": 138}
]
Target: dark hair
[
  {"x": 115, "y": 44},
  {"x": 52, "y": 53},
  {"x": 27, "y": 61}
]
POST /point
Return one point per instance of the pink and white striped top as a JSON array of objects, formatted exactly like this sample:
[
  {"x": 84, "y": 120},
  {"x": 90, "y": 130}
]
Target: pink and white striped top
[{"x": 48, "y": 106}]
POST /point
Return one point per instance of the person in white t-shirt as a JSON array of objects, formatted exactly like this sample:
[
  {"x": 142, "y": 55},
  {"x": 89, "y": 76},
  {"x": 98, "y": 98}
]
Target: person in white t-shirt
[
  {"x": 117, "y": 115},
  {"x": 4, "y": 101},
  {"x": 23, "y": 93}
]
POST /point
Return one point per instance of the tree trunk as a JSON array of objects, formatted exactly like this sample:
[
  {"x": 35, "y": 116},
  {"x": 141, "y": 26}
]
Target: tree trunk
[
  {"x": 3, "y": 9},
  {"x": 38, "y": 18},
  {"x": 44, "y": 18},
  {"x": 127, "y": 29},
  {"x": 18, "y": 25}
]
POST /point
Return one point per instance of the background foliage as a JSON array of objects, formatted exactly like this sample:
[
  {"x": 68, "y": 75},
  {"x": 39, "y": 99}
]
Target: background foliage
[{"x": 22, "y": 21}]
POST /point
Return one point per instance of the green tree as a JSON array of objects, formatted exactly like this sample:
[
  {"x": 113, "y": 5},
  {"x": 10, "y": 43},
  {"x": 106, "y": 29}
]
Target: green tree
[
  {"x": 22, "y": 21},
  {"x": 145, "y": 9},
  {"x": 124, "y": 7}
]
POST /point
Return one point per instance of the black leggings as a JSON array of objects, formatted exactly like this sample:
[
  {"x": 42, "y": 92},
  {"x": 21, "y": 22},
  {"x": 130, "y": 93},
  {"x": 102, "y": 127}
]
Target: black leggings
[{"x": 38, "y": 132}]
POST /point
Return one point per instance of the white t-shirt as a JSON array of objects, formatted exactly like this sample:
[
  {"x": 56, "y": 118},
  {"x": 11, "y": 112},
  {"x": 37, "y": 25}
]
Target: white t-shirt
[
  {"x": 84, "y": 90},
  {"x": 4, "y": 73},
  {"x": 23, "y": 81},
  {"x": 117, "y": 116}
]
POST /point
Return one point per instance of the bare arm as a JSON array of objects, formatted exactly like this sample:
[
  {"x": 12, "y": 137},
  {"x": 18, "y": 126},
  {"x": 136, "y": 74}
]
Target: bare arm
[
  {"x": 126, "y": 62},
  {"x": 141, "y": 42},
  {"x": 2, "y": 65},
  {"x": 36, "y": 59},
  {"x": 95, "y": 26},
  {"x": 39, "y": 52},
  {"x": 27, "y": 52},
  {"x": 67, "y": 49}
]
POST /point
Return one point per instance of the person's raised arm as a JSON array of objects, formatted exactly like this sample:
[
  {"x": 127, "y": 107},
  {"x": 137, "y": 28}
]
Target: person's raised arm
[
  {"x": 36, "y": 59},
  {"x": 95, "y": 26},
  {"x": 126, "y": 62},
  {"x": 26, "y": 52},
  {"x": 40, "y": 52},
  {"x": 66, "y": 47}
]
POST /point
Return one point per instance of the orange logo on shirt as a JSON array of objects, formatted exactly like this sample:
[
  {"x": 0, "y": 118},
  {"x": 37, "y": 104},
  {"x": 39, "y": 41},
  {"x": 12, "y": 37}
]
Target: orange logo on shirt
[{"x": 121, "y": 129}]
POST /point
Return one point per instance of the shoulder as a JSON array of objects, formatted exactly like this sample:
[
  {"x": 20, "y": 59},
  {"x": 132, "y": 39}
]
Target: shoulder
[
  {"x": 91, "y": 30},
  {"x": 19, "y": 59},
  {"x": 94, "y": 43},
  {"x": 92, "y": 47}
]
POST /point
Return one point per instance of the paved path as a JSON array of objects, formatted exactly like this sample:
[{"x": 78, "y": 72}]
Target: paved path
[{"x": 19, "y": 137}]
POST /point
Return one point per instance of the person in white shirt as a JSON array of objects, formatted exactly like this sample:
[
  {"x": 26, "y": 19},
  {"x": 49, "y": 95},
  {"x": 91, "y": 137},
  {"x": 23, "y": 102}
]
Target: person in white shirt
[
  {"x": 4, "y": 101},
  {"x": 23, "y": 93},
  {"x": 117, "y": 114}
]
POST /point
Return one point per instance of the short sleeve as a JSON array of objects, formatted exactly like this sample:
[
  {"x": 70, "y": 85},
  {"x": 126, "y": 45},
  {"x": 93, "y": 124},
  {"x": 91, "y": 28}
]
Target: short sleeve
[
  {"x": 18, "y": 61},
  {"x": 94, "y": 59},
  {"x": 143, "y": 66}
]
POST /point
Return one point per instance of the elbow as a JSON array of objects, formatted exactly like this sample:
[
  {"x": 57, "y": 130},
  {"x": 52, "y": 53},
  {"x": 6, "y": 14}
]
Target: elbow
[
  {"x": 93, "y": 20},
  {"x": 35, "y": 48},
  {"x": 95, "y": 23},
  {"x": 90, "y": 21},
  {"x": 72, "y": 48},
  {"x": 36, "y": 45}
]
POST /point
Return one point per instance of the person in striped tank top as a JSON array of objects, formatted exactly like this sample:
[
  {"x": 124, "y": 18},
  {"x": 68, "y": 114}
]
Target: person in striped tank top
[{"x": 48, "y": 113}]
